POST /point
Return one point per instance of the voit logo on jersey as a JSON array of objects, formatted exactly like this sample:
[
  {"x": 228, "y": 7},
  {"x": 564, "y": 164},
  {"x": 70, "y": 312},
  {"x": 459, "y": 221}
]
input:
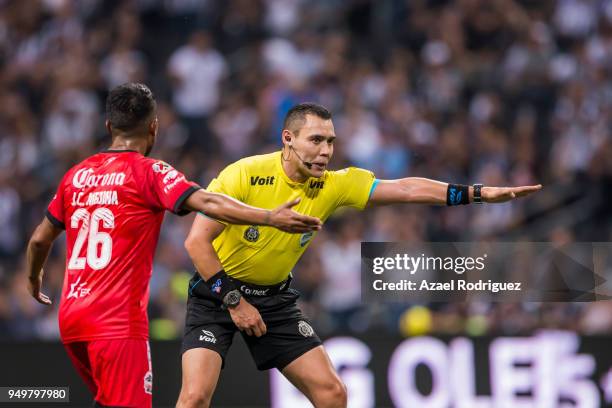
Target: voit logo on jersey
[{"x": 262, "y": 180}]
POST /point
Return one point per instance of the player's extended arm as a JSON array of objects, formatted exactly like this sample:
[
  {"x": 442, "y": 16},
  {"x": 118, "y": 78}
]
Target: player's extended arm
[
  {"x": 199, "y": 246},
  {"x": 225, "y": 208},
  {"x": 425, "y": 191},
  {"x": 37, "y": 253}
]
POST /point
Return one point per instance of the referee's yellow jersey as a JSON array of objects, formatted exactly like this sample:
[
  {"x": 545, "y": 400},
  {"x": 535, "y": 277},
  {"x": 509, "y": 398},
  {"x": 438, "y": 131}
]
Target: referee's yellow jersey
[{"x": 265, "y": 255}]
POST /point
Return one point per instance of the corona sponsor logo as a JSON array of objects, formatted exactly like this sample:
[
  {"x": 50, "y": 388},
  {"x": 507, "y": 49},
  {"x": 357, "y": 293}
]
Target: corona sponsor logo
[{"x": 85, "y": 177}]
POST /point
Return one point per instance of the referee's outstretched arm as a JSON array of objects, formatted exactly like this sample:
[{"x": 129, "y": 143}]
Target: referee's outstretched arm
[{"x": 425, "y": 191}]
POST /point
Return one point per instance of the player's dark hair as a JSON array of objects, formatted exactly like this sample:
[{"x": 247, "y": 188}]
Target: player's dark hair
[
  {"x": 129, "y": 105},
  {"x": 299, "y": 112}
]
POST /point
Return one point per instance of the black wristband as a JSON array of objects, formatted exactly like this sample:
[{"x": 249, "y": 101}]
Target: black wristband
[
  {"x": 220, "y": 284},
  {"x": 457, "y": 194}
]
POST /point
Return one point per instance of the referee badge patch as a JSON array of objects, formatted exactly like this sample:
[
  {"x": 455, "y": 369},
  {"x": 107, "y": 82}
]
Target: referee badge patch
[
  {"x": 251, "y": 234},
  {"x": 305, "y": 329}
]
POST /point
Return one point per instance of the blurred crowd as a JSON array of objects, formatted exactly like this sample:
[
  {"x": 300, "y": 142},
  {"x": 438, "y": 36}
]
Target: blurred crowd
[{"x": 503, "y": 92}]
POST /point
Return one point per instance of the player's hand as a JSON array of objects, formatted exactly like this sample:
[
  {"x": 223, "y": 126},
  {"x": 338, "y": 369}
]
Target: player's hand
[
  {"x": 503, "y": 194},
  {"x": 248, "y": 319},
  {"x": 34, "y": 285},
  {"x": 285, "y": 219}
]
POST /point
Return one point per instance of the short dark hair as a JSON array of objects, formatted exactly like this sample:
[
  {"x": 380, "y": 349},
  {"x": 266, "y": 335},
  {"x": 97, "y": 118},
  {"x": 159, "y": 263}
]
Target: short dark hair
[
  {"x": 129, "y": 105},
  {"x": 298, "y": 114}
]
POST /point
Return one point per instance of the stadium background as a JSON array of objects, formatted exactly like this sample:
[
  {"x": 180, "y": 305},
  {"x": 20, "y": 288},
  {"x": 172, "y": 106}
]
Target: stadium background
[{"x": 504, "y": 92}]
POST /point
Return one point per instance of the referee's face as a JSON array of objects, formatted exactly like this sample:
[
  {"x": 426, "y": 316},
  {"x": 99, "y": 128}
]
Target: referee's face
[{"x": 314, "y": 143}]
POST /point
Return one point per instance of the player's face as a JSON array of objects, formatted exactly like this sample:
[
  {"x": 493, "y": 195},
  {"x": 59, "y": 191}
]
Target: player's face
[{"x": 315, "y": 144}]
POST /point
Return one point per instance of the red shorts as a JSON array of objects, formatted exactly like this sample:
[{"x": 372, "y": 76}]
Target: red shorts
[{"x": 118, "y": 372}]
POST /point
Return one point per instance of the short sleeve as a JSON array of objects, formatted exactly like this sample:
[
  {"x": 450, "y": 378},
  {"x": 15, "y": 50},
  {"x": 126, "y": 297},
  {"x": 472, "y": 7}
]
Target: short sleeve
[
  {"x": 353, "y": 186},
  {"x": 55, "y": 210},
  {"x": 229, "y": 182},
  {"x": 165, "y": 187}
]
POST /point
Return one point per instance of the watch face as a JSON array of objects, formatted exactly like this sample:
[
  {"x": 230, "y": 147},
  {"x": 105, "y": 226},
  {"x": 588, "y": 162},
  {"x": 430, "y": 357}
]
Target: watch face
[{"x": 232, "y": 298}]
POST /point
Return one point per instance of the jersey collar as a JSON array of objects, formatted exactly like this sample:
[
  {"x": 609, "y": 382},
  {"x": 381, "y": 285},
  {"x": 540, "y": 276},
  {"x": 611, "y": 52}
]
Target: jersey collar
[{"x": 119, "y": 151}]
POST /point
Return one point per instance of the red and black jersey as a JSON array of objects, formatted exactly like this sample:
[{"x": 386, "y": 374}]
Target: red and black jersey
[{"x": 112, "y": 206}]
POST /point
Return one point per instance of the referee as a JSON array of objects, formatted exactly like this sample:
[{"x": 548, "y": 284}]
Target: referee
[{"x": 243, "y": 273}]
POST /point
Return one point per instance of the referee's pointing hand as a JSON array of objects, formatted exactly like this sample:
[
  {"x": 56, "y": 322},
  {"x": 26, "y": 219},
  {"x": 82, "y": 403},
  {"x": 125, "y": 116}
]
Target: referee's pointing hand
[
  {"x": 285, "y": 219},
  {"x": 503, "y": 194}
]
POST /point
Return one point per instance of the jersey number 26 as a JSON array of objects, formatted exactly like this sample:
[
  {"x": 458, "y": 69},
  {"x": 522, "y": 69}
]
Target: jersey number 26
[{"x": 89, "y": 231}]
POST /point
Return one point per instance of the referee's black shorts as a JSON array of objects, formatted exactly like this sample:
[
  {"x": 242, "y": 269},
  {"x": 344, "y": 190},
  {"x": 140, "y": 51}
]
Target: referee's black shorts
[{"x": 289, "y": 333}]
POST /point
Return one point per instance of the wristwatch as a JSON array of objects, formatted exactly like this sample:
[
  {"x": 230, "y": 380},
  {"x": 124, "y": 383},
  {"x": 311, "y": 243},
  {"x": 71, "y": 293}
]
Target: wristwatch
[
  {"x": 477, "y": 193},
  {"x": 232, "y": 298}
]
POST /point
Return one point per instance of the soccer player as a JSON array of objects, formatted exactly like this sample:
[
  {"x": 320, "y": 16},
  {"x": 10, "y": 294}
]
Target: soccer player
[
  {"x": 243, "y": 273},
  {"x": 112, "y": 205}
]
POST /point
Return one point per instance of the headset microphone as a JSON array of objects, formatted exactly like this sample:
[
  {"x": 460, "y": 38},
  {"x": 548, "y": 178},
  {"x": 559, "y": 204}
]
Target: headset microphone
[{"x": 307, "y": 164}]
